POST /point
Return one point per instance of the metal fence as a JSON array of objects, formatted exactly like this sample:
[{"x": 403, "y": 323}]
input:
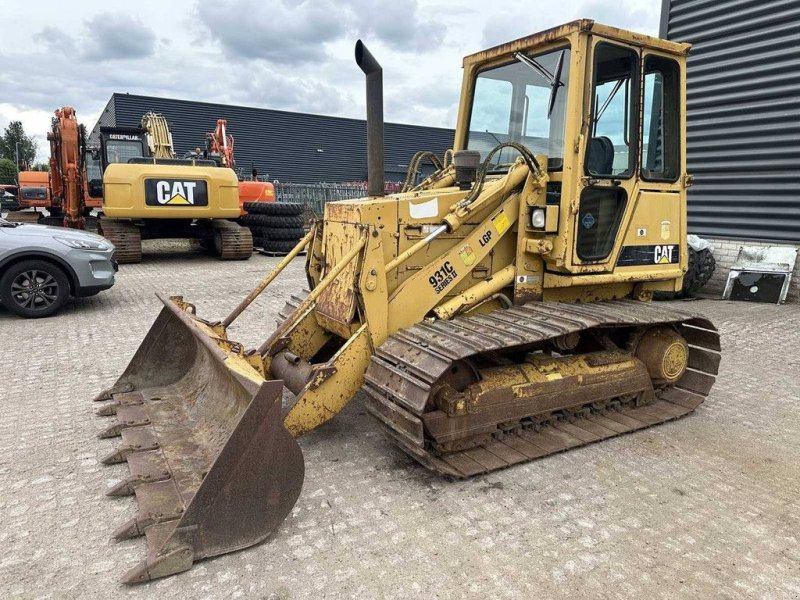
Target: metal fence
[{"x": 315, "y": 195}]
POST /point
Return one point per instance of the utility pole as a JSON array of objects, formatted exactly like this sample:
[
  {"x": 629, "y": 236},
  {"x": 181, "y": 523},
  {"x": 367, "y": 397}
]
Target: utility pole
[{"x": 16, "y": 155}]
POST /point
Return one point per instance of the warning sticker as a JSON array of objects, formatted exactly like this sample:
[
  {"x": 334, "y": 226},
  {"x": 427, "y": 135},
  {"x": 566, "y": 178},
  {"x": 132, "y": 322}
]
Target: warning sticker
[
  {"x": 501, "y": 222},
  {"x": 467, "y": 255}
]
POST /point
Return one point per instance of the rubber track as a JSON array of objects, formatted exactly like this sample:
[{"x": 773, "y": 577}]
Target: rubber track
[
  {"x": 125, "y": 236},
  {"x": 405, "y": 368}
]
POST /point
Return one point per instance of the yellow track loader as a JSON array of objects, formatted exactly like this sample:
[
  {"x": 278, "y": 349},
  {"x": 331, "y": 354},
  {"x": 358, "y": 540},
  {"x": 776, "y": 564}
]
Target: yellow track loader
[{"x": 495, "y": 313}]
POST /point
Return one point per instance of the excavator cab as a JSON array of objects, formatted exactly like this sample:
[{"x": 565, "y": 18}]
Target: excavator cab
[
  {"x": 118, "y": 145},
  {"x": 494, "y": 313}
]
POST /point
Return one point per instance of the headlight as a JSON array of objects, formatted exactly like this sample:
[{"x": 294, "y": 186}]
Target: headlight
[
  {"x": 537, "y": 218},
  {"x": 82, "y": 244}
]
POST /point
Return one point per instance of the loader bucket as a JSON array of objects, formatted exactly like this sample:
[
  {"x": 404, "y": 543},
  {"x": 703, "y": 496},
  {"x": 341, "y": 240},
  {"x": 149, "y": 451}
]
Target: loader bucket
[{"x": 211, "y": 465}]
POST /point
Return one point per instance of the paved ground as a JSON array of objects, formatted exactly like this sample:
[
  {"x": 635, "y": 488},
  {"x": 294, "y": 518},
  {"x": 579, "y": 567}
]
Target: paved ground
[{"x": 707, "y": 507}]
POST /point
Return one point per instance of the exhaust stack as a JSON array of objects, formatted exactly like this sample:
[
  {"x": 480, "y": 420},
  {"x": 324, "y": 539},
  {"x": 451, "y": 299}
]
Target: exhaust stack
[{"x": 374, "y": 73}]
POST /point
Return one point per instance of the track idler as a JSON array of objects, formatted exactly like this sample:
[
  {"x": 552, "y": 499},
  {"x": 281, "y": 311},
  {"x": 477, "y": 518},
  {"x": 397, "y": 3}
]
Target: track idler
[{"x": 211, "y": 465}]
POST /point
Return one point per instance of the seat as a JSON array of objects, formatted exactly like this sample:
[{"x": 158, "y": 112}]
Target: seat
[{"x": 600, "y": 159}]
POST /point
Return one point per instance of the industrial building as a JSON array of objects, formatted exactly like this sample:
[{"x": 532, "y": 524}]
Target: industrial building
[
  {"x": 284, "y": 146},
  {"x": 743, "y": 113}
]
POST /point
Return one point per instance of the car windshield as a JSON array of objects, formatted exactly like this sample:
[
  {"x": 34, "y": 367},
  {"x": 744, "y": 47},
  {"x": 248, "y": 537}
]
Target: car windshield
[{"x": 524, "y": 101}]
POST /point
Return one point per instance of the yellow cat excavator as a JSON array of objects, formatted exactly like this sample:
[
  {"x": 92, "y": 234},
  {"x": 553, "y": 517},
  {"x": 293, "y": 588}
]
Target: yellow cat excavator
[
  {"x": 495, "y": 313},
  {"x": 148, "y": 193}
]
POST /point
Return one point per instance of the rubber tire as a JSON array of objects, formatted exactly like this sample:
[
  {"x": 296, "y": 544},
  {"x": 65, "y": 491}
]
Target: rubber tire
[
  {"x": 294, "y": 234},
  {"x": 273, "y": 208},
  {"x": 701, "y": 267},
  {"x": 40, "y": 265},
  {"x": 273, "y": 222},
  {"x": 277, "y": 246}
]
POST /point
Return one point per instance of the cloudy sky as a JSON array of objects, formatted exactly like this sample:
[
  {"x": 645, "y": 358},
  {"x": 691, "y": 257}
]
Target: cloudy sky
[{"x": 283, "y": 54}]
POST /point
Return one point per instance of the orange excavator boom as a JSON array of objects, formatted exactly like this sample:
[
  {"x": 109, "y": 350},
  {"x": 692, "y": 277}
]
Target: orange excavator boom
[{"x": 66, "y": 139}]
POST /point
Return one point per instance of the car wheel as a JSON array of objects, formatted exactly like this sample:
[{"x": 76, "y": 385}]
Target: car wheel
[{"x": 34, "y": 288}]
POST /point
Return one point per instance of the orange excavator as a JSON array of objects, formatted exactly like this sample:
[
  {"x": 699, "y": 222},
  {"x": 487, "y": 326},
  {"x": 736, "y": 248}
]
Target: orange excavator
[
  {"x": 64, "y": 192},
  {"x": 67, "y": 167},
  {"x": 219, "y": 147}
]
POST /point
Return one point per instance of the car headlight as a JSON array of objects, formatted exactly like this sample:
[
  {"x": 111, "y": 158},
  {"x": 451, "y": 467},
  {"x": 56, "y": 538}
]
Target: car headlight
[
  {"x": 537, "y": 218},
  {"x": 82, "y": 244}
]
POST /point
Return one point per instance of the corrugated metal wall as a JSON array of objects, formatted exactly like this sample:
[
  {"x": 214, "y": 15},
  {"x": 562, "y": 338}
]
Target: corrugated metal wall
[
  {"x": 289, "y": 147},
  {"x": 743, "y": 115}
]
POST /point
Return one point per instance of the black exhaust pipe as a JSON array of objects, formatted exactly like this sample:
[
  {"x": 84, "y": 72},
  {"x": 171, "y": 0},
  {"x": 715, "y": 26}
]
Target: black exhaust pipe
[{"x": 374, "y": 74}]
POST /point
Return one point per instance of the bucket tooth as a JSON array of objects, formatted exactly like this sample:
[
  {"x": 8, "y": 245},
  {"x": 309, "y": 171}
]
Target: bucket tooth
[
  {"x": 117, "y": 388},
  {"x": 146, "y": 467},
  {"x": 134, "y": 439},
  {"x": 127, "y": 416},
  {"x": 136, "y": 526},
  {"x": 119, "y": 400},
  {"x": 107, "y": 410},
  {"x": 114, "y": 431},
  {"x": 123, "y": 488},
  {"x": 118, "y": 456},
  {"x": 127, "y": 486},
  {"x": 159, "y": 501},
  {"x": 130, "y": 529},
  {"x": 168, "y": 563}
]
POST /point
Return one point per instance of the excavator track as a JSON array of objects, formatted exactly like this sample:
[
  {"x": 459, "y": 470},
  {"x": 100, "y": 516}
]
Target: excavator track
[
  {"x": 408, "y": 368},
  {"x": 125, "y": 236},
  {"x": 23, "y": 216},
  {"x": 232, "y": 241}
]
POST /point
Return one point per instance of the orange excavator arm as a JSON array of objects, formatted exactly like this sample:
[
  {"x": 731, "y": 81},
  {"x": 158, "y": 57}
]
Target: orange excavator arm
[
  {"x": 66, "y": 166},
  {"x": 221, "y": 142}
]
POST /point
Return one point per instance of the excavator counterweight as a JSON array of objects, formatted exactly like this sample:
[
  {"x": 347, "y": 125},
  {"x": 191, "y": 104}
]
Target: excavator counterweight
[{"x": 497, "y": 312}]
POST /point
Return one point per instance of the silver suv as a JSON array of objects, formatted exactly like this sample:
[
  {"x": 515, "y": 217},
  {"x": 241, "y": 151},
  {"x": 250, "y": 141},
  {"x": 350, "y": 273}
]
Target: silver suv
[{"x": 41, "y": 267}]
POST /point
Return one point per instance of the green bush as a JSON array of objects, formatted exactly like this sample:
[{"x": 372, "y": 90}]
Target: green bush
[{"x": 8, "y": 171}]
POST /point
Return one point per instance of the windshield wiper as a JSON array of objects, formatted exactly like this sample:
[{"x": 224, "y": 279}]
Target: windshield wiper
[
  {"x": 613, "y": 93},
  {"x": 554, "y": 79}
]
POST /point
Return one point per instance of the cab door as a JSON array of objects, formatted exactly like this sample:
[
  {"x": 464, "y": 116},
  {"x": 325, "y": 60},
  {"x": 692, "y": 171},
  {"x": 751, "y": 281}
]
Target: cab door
[
  {"x": 653, "y": 241},
  {"x": 609, "y": 187}
]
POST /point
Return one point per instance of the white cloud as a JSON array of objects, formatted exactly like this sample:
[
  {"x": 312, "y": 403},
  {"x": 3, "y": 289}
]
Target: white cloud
[{"x": 282, "y": 54}]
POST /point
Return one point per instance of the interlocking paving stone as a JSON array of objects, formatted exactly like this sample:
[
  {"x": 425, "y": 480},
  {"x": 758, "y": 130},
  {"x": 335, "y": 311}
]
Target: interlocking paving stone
[{"x": 708, "y": 506}]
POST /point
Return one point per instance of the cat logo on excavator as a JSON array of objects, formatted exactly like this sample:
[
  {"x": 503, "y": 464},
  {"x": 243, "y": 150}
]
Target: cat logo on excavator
[{"x": 176, "y": 192}]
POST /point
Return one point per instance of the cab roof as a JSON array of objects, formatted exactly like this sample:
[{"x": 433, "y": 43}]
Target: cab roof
[{"x": 581, "y": 25}]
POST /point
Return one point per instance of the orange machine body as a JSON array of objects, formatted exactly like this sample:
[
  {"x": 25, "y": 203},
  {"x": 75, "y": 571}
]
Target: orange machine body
[{"x": 34, "y": 189}]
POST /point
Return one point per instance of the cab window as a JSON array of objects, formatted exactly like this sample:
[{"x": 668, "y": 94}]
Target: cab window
[
  {"x": 612, "y": 144},
  {"x": 661, "y": 120},
  {"x": 524, "y": 101}
]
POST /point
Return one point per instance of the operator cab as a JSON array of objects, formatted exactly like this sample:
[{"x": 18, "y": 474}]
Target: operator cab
[
  {"x": 121, "y": 144},
  {"x": 604, "y": 107}
]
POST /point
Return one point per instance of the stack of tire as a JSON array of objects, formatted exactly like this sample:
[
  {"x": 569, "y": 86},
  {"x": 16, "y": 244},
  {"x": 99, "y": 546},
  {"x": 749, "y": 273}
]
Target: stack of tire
[{"x": 276, "y": 226}]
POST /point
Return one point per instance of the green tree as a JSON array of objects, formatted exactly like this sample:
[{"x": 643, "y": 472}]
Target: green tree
[
  {"x": 41, "y": 167},
  {"x": 14, "y": 139},
  {"x": 8, "y": 171}
]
